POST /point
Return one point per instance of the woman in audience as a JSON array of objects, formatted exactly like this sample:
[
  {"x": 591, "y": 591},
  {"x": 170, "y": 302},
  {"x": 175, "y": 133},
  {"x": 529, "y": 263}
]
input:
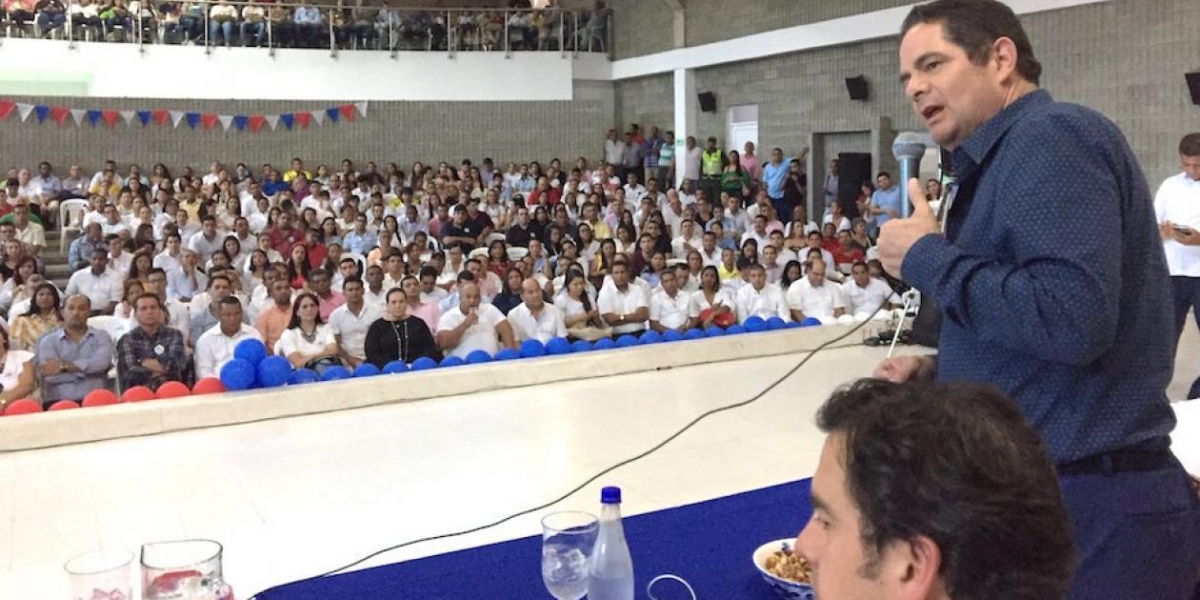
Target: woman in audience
[
  {"x": 308, "y": 342},
  {"x": 498, "y": 259},
  {"x": 713, "y": 303},
  {"x": 748, "y": 255},
  {"x": 603, "y": 261},
  {"x": 626, "y": 241},
  {"x": 233, "y": 249},
  {"x": 792, "y": 272},
  {"x": 17, "y": 378},
  {"x": 858, "y": 233},
  {"x": 255, "y": 270},
  {"x": 322, "y": 176},
  {"x": 695, "y": 265},
  {"x": 540, "y": 222},
  {"x": 735, "y": 181},
  {"x": 298, "y": 266},
  {"x": 14, "y": 254},
  {"x": 587, "y": 244},
  {"x": 398, "y": 336},
  {"x": 132, "y": 288},
  {"x": 329, "y": 231},
  {"x": 136, "y": 190},
  {"x": 43, "y": 315},
  {"x": 580, "y": 314},
  {"x": 553, "y": 240},
  {"x": 510, "y": 294}
]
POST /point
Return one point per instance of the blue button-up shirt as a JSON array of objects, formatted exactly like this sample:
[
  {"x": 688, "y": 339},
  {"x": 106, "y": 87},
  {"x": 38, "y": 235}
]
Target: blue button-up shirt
[
  {"x": 80, "y": 252},
  {"x": 91, "y": 360},
  {"x": 359, "y": 243},
  {"x": 1052, "y": 281}
]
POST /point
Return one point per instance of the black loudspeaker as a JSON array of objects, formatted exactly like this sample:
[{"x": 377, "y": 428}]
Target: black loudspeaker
[
  {"x": 857, "y": 87},
  {"x": 853, "y": 169},
  {"x": 708, "y": 102},
  {"x": 1193, "y": 82}
]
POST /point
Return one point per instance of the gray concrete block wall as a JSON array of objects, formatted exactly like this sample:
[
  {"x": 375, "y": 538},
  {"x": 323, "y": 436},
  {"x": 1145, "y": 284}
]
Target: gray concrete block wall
[
  {"x": 646, "y": 101},
  {"x": 401, "y": 132},
  {"x": 710, "y": 21}
]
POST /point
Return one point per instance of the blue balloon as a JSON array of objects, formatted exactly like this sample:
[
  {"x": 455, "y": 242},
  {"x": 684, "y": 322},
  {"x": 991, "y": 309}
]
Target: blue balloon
[
  {"x": 335, "y": 373},
  {"x": 251, "y": 351},
  {"x": 626, "y": 341},
  {"x": 508, "y": 354},
  {"x": 532, "y": 348},
  {"x": 581, "y": 346},
  {"x": 714, "y": 331},
  {"x": 604, "y": 344},
  {"x": 395, "y": 367},
  {"x": 423, "y": 363},
  {"x": 366, "y": 370},
  {"x": 694, "y": 334},
  {"x": 792, "y": 324},
  {"x": 755, "y": 324},
  {"x": 775, "y": 324},
  {"x": 478, "y": 357},
  {"x": 302, "y": 376},
  {"x": 672, "y": 336},
  {"x": 650, "y": 337},
  {"x": 273, "y": 371},
  {"x": 810, "y": 322},
  {"x": 734, "y": 329},
  {"x": 558, "y": 346},
  {"x": 237, "y": 374},
  {"x": 452, "y": 361}
]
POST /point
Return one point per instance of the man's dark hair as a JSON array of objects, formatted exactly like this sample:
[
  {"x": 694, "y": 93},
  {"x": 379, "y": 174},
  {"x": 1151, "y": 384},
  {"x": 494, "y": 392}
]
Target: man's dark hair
[
  {"x": 156, "y": 271},
  {"x": 1190, "y": 145},
  {"x": 428, "y": 271},
  {"x": 214, "y": 278},
  {"x": 960, "y": 465},
  {"x": 974, "y": 25},
  {"x": 230, "y": 300},
  {"x": 466, "y": 275},
  {"x": 352, "y": 279}
]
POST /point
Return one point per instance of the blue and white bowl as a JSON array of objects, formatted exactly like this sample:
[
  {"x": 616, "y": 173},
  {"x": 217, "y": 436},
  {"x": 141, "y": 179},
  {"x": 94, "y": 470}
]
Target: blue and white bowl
[{"x": 784, "y": 588}]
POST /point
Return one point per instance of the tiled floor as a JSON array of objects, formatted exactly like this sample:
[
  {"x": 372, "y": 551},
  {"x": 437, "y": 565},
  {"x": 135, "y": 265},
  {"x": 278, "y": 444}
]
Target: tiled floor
[{"x": 295, "y": 497}]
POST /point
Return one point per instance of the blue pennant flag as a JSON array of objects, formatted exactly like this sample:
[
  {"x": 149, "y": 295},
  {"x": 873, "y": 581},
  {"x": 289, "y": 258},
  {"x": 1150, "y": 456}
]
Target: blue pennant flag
[
  {"x": 93, "y": 116},
  {"x": 332, "y": 113},
  {"x": 42, "y": 111},
  {"x": 239, "y": 121},
  {"x": 193, "y": 119},
  {"x": 143, "y": 116},
  {"x": 287, "y": 119}
]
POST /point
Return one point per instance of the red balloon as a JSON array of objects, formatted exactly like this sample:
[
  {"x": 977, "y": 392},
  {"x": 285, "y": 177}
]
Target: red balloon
[
  {"x": 24, "y": 406},
  {"x": 172, "y": 389},
  {"x": 99, "y": 397},
  {"x": 137, "y": 393},
  {"x": 208, "y": 385},
  {"x": 63, "y": 405}
]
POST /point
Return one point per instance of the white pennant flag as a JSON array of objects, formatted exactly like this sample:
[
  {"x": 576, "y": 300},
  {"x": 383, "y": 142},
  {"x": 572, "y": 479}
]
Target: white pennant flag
[
  {"x": 128, "y": 115},
  {"x": 318, "y": 116},
  {"x": 362, "y": 108},
  {"x": 176, "y": 117},
  {"x": 226, "y": 121},
  {"x": 24, "y": 110},
  {"x": 272, "y": 120},
  {"x": 77, "y": 114}
]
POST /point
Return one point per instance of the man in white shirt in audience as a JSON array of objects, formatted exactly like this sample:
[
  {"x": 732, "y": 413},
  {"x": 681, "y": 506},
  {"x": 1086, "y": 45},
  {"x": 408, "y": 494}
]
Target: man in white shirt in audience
[
  {"x": 758, "y": 299},
  {"x": 30, "y": 233},
  {"x": 771, "y": 264},
  {"x": 168, "y": 259},
  {"x": 812, "y": 296},
  {"x": 113, "y": 225},
  {"x": 865, "y": 294},
  {"x": 709, "y": 252},
  {"x": 351, "y": 320},
  {"x": 207, "y": 240},
  {"x": 623, "y": 305},
  {"x": 535, "y": 319},
  {"x": 669, "y": 306},
  {"x": 759, "y": 233},
  {"x": 188, "y": 280},
  {"x": 473, "y": 325},
  {"x": 119, "y": 260},
  {"x": 417, "y": 305},
  {"x": 102, "y": 287},
  {"x": 430, "y": 292},
  {"x": 688, "y": 240},
  {"x": 215, "y": 346},
  {"x": 1177, "y": 207}
]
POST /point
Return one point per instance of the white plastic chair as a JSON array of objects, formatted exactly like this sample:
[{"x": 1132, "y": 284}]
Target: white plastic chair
[
  {"x": 70, "y": 216},
  {"x": 492, "y": 237},
  {"x": 358, "y": 258}
]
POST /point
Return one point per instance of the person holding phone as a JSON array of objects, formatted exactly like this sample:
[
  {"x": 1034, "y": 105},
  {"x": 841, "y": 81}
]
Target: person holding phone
[{"x": 1177, "y": 207}]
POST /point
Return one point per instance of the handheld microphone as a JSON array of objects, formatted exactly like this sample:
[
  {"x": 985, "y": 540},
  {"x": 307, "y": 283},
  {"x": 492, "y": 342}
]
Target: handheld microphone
[{"x": 909, "y": 149}]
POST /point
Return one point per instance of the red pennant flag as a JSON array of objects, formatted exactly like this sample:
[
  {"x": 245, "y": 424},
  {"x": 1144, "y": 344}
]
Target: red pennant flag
[
  {"x": 6, "y": 109},
  {"x": 110, "y": 117},
  {"x": 161, "y": 116},
  {"x": 59, "y": 113},
  {"x": 256, "y": 122},
  {"x": 208, "y": 120},
  {"x": 303, "y": 118},
  {"x": 347, "y": 111}
]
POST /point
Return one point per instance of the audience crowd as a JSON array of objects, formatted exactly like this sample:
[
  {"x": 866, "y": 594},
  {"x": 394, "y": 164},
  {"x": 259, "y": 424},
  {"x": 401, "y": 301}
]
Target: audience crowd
[{"x": 341, "y": 266}]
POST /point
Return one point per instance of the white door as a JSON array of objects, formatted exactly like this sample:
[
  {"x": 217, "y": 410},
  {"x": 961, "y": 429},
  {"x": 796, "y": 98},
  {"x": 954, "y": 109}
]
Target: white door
[{"x": 742, "y": 127}]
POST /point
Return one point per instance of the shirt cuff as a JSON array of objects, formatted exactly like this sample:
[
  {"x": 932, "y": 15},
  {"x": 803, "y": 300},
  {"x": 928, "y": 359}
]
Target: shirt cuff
[{"x": 927, "y": 262}]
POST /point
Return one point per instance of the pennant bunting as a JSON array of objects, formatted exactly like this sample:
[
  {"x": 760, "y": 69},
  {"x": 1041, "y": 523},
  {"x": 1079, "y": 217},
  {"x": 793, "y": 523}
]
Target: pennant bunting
[
  {"x": 362, "y": 108},
  {"x": 303, "y": 119},
  {"x": 77, "y": 114},
  {"x": 93, "y": 117},
  {"x": 208, "y": 120},
  {"x": 193, "y": 119},
  {"x": 347, "y": 111},
  {"x": 177, "y": 116},
  {"x": 23, "y": 111},
  {"x": 287, "y": 119},
  {"x": 41, "y": 111},
  {"x": 110, "y": 117},
  {"x": 239, "y": 121},
  {"x": 128, "y": 115},
  {"x": 273, "y": 121},
  {"x": 60, "y": 114},
  {"x": 161, "y": 116},
  {"x": 6, "y": 108},
  {"x": 332, "y": 113},
  {"x": 318, "y": 116},
  {"x": 144, "y": 117},
  {"x": 226, "y": 121}
]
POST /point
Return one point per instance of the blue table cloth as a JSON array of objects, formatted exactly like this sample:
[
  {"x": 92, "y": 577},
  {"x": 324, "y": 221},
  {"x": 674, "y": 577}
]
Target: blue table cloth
[{"x": 709, "y": 544}]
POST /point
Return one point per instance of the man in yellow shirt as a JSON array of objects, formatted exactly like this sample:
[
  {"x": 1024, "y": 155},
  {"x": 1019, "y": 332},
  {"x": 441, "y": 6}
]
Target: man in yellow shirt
[
  {"x": 600, "y": 229},
  {"x": 297, "y": 168}
]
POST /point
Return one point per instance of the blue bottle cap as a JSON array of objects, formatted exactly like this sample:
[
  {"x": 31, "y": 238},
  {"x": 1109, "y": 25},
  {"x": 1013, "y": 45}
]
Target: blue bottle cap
[{"x": 610, "y": 495}]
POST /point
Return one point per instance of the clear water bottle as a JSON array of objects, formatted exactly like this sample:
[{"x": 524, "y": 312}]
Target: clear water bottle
[{"x": 610, "y": 576}]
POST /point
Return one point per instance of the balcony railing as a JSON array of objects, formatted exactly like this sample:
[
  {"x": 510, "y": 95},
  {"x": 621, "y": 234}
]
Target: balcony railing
[{"x": 331, "y": 27}]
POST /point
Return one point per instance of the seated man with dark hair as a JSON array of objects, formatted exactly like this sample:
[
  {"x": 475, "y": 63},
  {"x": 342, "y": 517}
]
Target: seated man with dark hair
[
  {"x": 934, "y": 492},
  {"x": 152, "y": 353}
]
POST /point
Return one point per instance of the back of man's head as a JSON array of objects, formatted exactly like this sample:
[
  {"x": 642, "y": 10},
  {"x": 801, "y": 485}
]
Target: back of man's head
[{"x": 951, "y": 466}]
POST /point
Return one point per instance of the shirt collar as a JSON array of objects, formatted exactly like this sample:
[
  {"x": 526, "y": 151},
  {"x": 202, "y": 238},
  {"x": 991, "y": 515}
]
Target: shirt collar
[{"x": 977, "y": 145}]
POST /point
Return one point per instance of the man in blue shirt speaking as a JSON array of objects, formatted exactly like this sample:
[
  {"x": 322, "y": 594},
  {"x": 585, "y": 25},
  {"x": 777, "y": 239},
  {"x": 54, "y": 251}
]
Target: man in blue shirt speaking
[{"x": 1053, "y": 287}]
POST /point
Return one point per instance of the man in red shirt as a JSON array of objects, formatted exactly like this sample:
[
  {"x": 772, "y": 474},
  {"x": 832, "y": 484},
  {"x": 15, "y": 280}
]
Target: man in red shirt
[
  {"x": 283, "y": 235},
  {"x": 846, "y": 253}
]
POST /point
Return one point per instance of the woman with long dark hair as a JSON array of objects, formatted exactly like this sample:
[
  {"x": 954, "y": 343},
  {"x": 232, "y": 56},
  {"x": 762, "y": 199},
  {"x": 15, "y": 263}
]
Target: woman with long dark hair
[
  {"x": 308, "y": 342},
  {"x": 735, "y": 181},
  {"x": 298, "y": 267},
  {"x": 398, "y": 335},
  {"x": 510, "y": 294},
  {"x": 43, "y": 316}
]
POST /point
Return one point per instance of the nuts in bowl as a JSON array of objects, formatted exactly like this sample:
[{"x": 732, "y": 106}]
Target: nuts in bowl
[{"x": 784, "y": 570}]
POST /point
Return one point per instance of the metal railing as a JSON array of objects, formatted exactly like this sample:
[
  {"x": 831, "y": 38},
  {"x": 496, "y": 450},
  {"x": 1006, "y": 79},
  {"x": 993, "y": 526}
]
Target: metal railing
[{"x": 333, "y": 27}]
